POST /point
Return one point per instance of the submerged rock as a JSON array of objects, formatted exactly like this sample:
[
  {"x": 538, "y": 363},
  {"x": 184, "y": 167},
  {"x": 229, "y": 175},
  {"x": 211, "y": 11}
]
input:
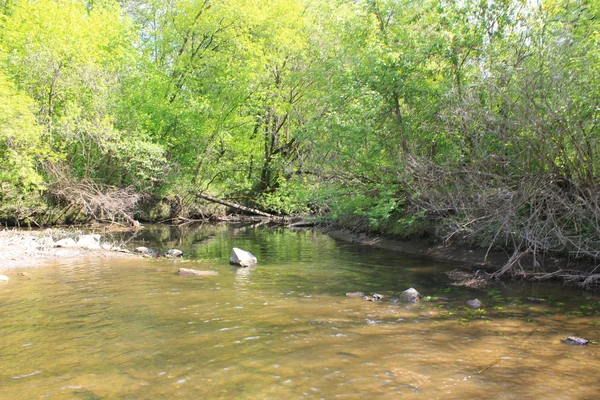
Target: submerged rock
[
  {"x": 475, "y": 280},
  {"x": 195, "y": 272},
  {"x": 576, "y": 341},
  {"x": 68, "y": 242},
  {"x": 174, "y": 253},
  {"x": 242, "y": 258},
  {"x": 475, "y": 303},
  {"x": 355, "y": 294},
  {"x": 410, "y": 296}
]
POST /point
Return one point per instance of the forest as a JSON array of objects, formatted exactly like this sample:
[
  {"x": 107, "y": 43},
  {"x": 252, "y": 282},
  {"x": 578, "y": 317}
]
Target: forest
[{"x": 467, "y": 122}]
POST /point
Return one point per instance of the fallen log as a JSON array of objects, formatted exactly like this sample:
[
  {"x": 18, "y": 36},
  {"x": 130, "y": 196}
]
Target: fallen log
[{"x": 234, "y": 205}]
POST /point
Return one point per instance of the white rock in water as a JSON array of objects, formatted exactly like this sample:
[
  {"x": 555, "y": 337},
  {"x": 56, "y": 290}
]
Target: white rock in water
[
  {"x": 4, "y": 278},
  {"x": 89, "y": 241},
  {"x": 141, "y": 249},
  {"x": 68, "y": 242},
  {"x": 410, "y": 296},
  {"x": 242, "y": 258}
]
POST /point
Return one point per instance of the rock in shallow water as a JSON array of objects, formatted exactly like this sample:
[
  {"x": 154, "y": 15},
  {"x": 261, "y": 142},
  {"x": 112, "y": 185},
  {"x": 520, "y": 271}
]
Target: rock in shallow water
[
  {"x": 242, "y": 258},
  {"x": 4, "y": 278},
  {"x": 355, "y": 294},
  {"x": 174, "y": 253},
  {"x": 195, "y": 272},
  {"x": 577, "y": 341},
  {"x": 146, "y": 251},
  {"x": 410, "y": 296},
  {"x": 475, "y": 303}
]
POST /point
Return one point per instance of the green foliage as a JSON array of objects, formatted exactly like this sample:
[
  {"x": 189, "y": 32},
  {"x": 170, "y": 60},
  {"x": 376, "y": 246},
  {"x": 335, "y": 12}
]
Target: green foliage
[
  {"x": 21, "y": 146},
  {"x": 377, "y": 112}
]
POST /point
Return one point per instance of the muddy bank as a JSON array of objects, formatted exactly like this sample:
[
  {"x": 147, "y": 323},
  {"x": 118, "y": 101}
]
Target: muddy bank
[{"x": 33, "y": 248}]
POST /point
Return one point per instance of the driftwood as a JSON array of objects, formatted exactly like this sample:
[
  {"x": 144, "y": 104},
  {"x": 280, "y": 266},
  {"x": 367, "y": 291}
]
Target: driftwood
[{"x": 234, "y": 205}]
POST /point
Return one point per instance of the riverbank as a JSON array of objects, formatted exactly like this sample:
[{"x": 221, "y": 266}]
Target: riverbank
[
  {"x": 493, "y": 263},
  {"x": 34, "y": 248}
]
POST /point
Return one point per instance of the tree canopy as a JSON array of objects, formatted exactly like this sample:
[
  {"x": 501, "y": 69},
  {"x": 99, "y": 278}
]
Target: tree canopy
[{"x": 388, "y": 114}]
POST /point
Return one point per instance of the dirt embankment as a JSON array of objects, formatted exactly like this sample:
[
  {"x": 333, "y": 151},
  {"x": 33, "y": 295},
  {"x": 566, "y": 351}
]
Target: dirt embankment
[{"x": 26, "y": 249}]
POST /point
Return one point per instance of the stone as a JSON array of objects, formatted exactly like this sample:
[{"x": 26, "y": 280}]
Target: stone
[
  {"x": 410, "y": 296},
  {"x": 242, "y": 258},
  {"x": 44, "y": 242},
  {"x": 475, "y": 303},
  {"x": 68, "y": 242},
  {"x": 146, "y": 252},
  {"x": 174, "y": 253},
  {"x": 4, "y": 278},
  {"x": 377, "y": 297},
  {"x": 577, "y": 341},
  {"x": 89, "y": 241},
  {"x": 195, "y": 272},
  {"x": 355, "y": 294}
]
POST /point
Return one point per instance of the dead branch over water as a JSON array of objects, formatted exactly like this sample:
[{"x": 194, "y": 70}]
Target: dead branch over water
[{"x": 534, "y": 218}]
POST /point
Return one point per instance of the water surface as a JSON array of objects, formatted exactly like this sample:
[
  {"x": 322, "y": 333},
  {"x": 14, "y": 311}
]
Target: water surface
[{"x": 104, "y": 329}]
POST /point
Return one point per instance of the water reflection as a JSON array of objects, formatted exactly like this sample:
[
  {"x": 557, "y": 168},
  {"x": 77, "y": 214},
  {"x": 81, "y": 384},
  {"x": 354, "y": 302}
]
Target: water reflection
[{"x": 285, "y": 329}]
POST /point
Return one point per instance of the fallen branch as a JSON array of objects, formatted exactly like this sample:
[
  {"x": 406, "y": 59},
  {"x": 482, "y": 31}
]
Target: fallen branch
[{"x": 234, "y": 205}]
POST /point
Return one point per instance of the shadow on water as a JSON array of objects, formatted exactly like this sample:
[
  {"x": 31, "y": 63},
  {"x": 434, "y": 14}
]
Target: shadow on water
[{"x": 285, "y": 329}]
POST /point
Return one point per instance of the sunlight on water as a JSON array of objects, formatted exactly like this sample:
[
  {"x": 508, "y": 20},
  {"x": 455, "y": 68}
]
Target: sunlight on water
[{"x": 103, "y": 329}]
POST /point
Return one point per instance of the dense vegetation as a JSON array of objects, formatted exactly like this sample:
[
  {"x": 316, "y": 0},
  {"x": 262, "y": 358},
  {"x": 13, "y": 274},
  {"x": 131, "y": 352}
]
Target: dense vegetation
[{"x": 468, "y": 121}]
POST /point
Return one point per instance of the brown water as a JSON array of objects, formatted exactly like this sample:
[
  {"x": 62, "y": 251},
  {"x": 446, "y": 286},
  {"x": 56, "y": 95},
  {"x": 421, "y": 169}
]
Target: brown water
[{"x": 133, "y": 329}]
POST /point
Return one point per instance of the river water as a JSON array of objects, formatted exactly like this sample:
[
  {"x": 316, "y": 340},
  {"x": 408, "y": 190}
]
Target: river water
[{"x": 134, "y": 329}]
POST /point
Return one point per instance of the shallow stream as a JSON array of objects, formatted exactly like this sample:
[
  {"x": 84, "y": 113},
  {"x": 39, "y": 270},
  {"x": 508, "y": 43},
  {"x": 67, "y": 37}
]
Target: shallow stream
[{"x": 134, "y": 329}]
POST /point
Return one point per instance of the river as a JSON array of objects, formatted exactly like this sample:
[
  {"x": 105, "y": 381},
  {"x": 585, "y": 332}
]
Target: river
[{"x": 134, "y": 329}]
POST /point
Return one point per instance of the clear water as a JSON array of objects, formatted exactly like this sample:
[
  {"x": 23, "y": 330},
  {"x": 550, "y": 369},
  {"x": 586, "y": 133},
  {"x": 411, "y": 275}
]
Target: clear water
[{"x": 134, "y": 329}]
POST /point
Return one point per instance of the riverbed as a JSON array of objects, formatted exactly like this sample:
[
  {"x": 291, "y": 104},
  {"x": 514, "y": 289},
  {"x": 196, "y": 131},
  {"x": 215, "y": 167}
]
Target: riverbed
[{"x": 132, "y": 328}]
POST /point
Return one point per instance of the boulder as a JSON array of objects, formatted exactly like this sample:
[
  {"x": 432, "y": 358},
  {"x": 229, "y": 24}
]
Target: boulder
[
  {"x": 475, "y": 303},
  {"x": 4, "y": 278},
  {"x": 68, "y": 242},
  {"x": 242, "y": 258},
  {"x": 410, "y": 296},
  {"x": 174, "y": 253},
  {"x": 89, "y": 241},
  {"x": 195, "y": 272}
]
